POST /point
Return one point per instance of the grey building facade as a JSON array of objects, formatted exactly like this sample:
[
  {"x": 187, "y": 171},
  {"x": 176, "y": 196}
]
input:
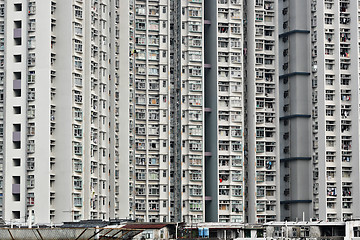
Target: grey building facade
[
  {"x": 320, "y": 115},
  {"x": 60, "y": 77}
]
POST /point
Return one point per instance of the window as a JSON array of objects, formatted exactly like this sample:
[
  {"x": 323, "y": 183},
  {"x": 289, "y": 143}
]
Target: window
[
  {"x": 195, "y": 205},
  {"x": 140, "y": 174},
  {"x": 195, "y": 41},
  {"x": 31, "y": 94},
  {"x": 77, "y": 183},
  {"x": 153, "y": 160},
  {"x": 153, "y": 189},
  {"x": 195, "y": 115},
  {"x": 31, "y": 59},
  {"x": 77, "y": 165},
  {"x": 153, "y": 70},
  {"x": 195, "y": 145},
  {"x": 195, "y": 100},
  {"x": 78, "y": 12},
  {"x": 140, "y": 9},
  {"x": 153, "y": 205},
  {"x": 30, "y": 181},
  {"x": 154, "y": 174},
  {"x": 17, "y": 58},
  {"x": 17, "y": 162},
  {"x": 30, "y": 164},
  {"x": 237, "y": 176},
  {"x": 235, "y": 28},
  {"x": 140, "y": 205},
  {"x": 77, "y": 200},
  {"x": 194, "y": 26},
  {"x": 260, "y": 132},
  {"x": 140, "y": 99},
  {"x": 153, "y": 55},
  {"x": 194, "y": 12},
  {"x": 78, "y": 97},
  {"x": 153, "y": 144},
  {"x": 140, "y": 39},
  {"x": 77, "y": 79},
  {"x": 236, "y": 146},
  {"x": 78, "y": 63},
  {"x": 154, "y": 40},
  {"x": 140, "y": 114},
  {"x": 153, "y": 114},
  {"x": 195, "y": 56},
  {"x": 153, "y": 25},
  {"x": 78, "y": 45},
  {"x": 260, "y": 191},
  {"x": 31, "y": 129},
  {"x": 77, "y": 148},
  {"x": 77, "y": 131},
  {"x": 32, "y": 7},
  {"x": 77, "y": 114},
  {"x": 30, "y": 200},
  {"x": 260, "y": 147},
  {"x": 195, "y": 175},
  {"x": 329, "y": 18},
  {"x": 78, "y": 29},
  {"x": 195, "y": 130},
  {"x": 195, "y": 190}
]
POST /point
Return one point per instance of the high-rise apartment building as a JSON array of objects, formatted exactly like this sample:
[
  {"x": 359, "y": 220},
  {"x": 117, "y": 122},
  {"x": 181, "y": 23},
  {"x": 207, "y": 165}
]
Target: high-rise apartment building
[
  {"x": 319, "y": 67},
  {"x": 262, "y": 113},
  {"x": 179, "y": 110},
  {"x": 194, "y": 89},
  {"x": 261, "y": 100},
  {"x": 60, "y": 112},
  {"x": 167, "y": 116},
  {"x": 224, "y": 82},
  {"x": 149, "y": 82}
]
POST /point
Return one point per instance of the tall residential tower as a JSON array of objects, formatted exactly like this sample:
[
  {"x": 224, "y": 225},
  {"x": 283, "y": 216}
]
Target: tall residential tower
[
  {"x": 203, "y": 111},
  {"x": 319, "y": 79},
  {"x": 59, "y": 109}
]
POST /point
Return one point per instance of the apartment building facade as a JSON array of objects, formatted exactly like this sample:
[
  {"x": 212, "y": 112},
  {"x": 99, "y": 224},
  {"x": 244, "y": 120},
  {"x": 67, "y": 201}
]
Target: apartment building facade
[
  {"x": 224, "y": 111},
  {"x": 262, "y": 111},
  {"x": 323, "y": 125},
  {"x": 187, "y": 110},
  {"x": 274, "y": 90},
  {"x": 188, "y": 157},
  {"x": 166, "y": 143},
  {"x": 60, "y": 88},
  {"x": 149, "y": 124},
  {"x": 336, "y": 159}
]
